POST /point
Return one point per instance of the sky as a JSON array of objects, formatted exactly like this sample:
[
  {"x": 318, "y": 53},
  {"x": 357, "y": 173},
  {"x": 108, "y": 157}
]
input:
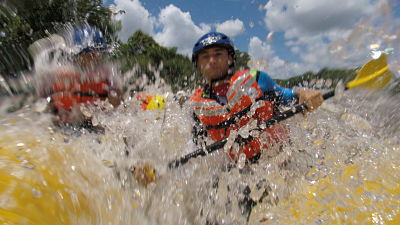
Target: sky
[{"x": 283, "y": 37}]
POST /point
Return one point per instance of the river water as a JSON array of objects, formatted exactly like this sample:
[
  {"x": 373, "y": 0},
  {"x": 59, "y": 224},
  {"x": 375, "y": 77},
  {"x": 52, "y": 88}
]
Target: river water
[{"x": 341, "y": 165}]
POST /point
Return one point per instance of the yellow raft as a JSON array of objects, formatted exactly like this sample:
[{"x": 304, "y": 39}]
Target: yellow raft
[{"x": 41, "y": 184}]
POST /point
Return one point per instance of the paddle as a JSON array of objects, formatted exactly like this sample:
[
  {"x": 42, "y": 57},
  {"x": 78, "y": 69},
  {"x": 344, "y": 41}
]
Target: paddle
[{"x": 373, "y": 75}]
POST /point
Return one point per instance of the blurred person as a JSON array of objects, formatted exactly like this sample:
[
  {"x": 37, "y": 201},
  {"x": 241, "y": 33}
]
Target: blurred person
[{"x": 89, "y": 79}]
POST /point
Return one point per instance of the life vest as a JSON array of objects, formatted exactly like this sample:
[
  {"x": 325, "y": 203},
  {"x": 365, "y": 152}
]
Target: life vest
[
  {"x": 150, "y": 102},
  {"x": 70, "y": 89},
  {"x": 219, "y": 120}
]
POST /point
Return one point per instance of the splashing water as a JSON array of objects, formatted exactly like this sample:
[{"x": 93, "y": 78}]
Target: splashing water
[
  {"x": 340, "y": 166},
  {"x": 350, "y": 163}
]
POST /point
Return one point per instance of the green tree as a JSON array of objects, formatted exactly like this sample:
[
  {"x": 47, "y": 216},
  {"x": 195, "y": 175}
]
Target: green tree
[
  {"x": 25, "y": 21},
  {"x": 242, "y": 58},
  {"x": 14, "y": 33},
  {"x": 309, "y": 78},
  {"x": 145, "y": 54}
]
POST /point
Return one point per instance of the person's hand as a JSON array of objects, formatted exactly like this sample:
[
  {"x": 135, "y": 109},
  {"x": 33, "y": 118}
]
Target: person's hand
[
  {"x": 144, "y": 174},
  {"x": 312, "y": 98},
  {"x": 115, "y": 98}
]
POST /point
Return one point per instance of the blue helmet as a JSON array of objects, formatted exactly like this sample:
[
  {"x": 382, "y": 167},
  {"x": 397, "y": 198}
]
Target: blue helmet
[
  {"x": 88, "y": 38},
  {"x": 213, "y": 39}
]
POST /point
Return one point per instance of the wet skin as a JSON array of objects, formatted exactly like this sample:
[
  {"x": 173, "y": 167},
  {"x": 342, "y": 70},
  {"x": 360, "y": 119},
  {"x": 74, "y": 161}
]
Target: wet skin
[{"x": 214, "y": 63}]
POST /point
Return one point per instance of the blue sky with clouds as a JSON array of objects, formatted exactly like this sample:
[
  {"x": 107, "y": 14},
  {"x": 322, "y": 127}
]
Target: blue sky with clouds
[{"x": 284, "y": 37}]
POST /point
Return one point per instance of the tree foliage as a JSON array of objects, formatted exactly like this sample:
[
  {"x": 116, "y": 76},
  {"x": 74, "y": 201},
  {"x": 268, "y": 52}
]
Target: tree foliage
[
  {"x": 149, "y": 58},
  {"x": 318, "y": 80},
  {"x": 242, "y": 58},
  {"x": 25, "y": 21}
]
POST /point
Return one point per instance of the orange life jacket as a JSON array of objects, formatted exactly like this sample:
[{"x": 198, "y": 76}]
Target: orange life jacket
[
  {"x": 145, "y": 99},
  {"x": 219, "y": 120},
  {"x": 70, "y": 89}
]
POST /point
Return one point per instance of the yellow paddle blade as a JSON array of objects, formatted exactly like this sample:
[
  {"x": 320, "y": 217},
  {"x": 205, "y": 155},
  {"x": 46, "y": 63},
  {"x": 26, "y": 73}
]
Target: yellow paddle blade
[{"x": 374, "y": 75}]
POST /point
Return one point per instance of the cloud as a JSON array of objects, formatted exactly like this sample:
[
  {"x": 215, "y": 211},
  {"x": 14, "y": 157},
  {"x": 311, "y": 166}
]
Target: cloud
[
  {"x": 282, "y": 69},
  {"x": 314, "y": 55},
  {"x": 262, "y": 58},
  {"x": 309, "y": 17},
  {"x": 259, "y": 49},
  {"x": 295, "y": 49},
  {"x": 135, "y": 17},
  {"x": 322, "y": 33},
  {"x": 178, "y": 29},
  {"x": 231, "y": 28}
]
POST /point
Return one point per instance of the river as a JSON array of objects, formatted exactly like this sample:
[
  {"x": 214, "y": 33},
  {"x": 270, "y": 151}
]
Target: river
[{"x": 341, "y": 165}]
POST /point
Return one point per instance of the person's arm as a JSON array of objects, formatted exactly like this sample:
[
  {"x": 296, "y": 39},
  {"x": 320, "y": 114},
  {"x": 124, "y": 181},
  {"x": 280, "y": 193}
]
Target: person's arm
[
  {"x": 286, "y": 96},
  {"x": 273, "y": 92}
]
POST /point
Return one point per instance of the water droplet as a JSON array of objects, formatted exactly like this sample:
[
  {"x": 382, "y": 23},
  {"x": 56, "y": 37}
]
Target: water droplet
[
  {"x": 231, "y": 140},
  {"x": 376, "y": 54},
  {"x": 36, "y": 193},
  {"x": 251, "y": 24},
  {"x": 108, "y": 163},
  {"x": 270, "y": 35},
  {"x": 40, "y": 105},
  {"x": 95, "y": 121},
  {"x": 113, "y": 93},
  {"x": 374, "y": 46},
  {"x": 389, "y": 51},
  {"x": 26, "y": 164},
  {"x": 339, "y": 90},
  {"x": 86, "y": 112},
  {"x": 241, "y": 161}
]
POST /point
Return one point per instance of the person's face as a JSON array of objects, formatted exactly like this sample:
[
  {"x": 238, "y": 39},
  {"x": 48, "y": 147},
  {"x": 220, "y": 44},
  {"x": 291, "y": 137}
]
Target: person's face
[{"x": 214, "y": 63}]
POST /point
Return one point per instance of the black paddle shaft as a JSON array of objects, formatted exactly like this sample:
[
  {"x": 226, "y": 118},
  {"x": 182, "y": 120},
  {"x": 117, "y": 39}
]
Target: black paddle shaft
[{"x": 220, "y": 144}]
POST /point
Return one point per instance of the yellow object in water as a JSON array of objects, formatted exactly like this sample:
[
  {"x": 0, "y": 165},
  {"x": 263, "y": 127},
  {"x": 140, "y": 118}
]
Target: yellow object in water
[
  {"x": 156, "y": 102},
  {"x": 32, "y": 194},
  {"x": 41, "y": 185},
  {"x": 373, "y": 75}
]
